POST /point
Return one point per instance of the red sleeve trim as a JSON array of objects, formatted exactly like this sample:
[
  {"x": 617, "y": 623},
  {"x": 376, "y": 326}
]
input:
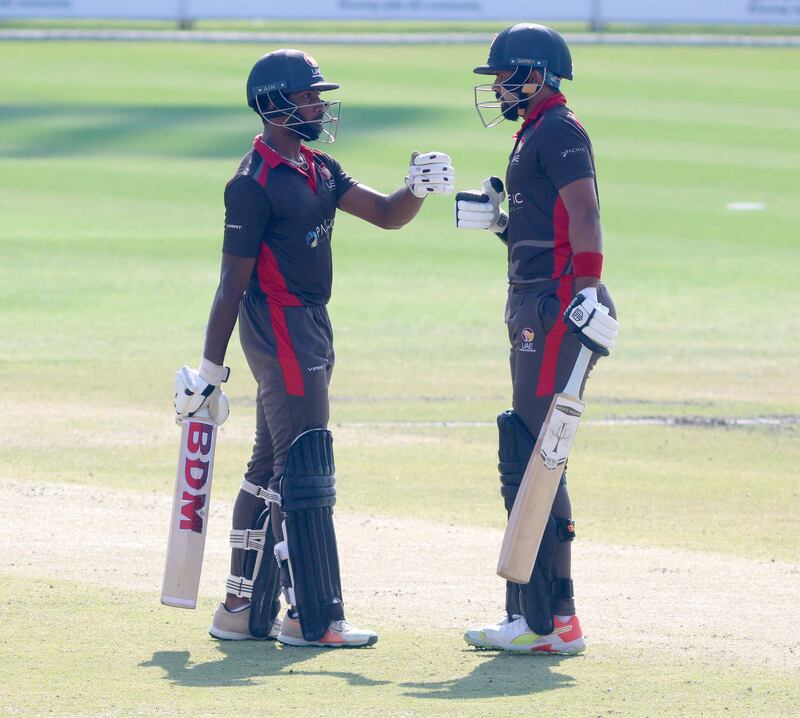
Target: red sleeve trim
[{"x": 588, "y": 264}]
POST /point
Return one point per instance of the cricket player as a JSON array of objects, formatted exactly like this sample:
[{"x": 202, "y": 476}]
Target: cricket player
[
  {"x": 552, "y": 231},
  {"x": 276, "y": 278}
]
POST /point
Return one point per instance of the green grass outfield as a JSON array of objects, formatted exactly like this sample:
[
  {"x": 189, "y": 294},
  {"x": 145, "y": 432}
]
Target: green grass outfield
[{"x": 113, "y": 157}]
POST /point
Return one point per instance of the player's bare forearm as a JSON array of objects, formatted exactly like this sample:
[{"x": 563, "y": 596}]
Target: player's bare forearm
[
  {"x": 234, "y": 275},
  {"x": 585, "y": 231},
  {"x": 386, "y": 211}
]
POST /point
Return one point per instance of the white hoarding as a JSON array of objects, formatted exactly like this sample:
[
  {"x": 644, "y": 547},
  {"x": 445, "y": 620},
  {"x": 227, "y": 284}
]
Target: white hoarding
[
  {"x": 138, "y": 10},
  {"x": 664, "y": 11},
  {"x": 399, "y": 9},
  {"x": 778, "y": 12}
]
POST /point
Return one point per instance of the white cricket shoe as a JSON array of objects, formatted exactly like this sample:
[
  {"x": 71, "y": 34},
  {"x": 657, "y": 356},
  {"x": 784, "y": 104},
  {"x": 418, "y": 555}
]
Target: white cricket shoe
[
  {"x": 339, "y": 634},
  {"x": 235, "y": 625},
  {"x": 515, "y": 635}
]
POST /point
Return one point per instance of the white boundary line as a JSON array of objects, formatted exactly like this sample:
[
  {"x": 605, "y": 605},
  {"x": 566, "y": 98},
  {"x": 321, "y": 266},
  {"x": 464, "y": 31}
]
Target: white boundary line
[
  {"x": 679, "y": 421},
  {"x": 455, "y": 38}
]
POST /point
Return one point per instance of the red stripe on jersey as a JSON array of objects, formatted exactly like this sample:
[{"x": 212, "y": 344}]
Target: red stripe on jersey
[
  {"x": 271, "y": 280},
  {"x": 273, "y": 285},
  {"x": 562, "y": 253},
  {"x": 290, "y": 367},
  {"x": 273, "y": 159},
  {"x": 261, "y": 177}
]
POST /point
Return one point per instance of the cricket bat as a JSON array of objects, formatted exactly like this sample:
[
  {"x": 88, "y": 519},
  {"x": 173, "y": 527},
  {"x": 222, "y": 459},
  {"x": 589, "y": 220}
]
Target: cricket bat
[
  {"x": 537, "y": 490},
  {"x": 190, "y": 511}
]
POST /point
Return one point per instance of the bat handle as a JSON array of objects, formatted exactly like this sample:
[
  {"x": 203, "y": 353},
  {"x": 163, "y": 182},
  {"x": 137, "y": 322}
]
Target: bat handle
[
  {"x": 573, "y": 387},
  {"x": 202, "y": 413}
]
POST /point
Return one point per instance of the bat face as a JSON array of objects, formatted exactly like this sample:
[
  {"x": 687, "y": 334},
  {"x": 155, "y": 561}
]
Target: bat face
[
  {"x": 196, "y": 457},
  {"x": 560, "y": 434},
  {"x": 538, "y": 488},
  {"x": 189, "y": 520}
]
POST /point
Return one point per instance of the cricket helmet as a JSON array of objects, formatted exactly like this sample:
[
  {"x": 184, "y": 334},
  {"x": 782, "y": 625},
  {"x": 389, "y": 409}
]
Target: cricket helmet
[
  {"x": 280, "y": 73},
  {"x": 522, "y": 49},
  {"x": 528, "y": 45}
]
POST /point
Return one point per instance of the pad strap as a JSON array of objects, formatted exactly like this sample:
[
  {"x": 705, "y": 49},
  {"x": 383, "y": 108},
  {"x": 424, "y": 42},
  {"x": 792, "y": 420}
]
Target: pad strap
[
  {"x": 565, "y": 528},
  {"x": 239, "y": 586},
  {"x": 282, "y": 557},
  {"x": 248, "y": 539},
  {"x": 261, "y": 492}
]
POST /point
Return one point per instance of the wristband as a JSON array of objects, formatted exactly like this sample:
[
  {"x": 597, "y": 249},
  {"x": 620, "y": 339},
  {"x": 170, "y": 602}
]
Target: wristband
[
  {"x": 213, "y": 373},
  {"x": 588, "y": 264}
]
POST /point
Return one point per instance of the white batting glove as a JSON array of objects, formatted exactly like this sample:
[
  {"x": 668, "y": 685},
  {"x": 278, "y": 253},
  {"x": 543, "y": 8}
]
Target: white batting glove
[
  {"x": 476, "y": 209},
  {"x": 430, "y": 173},
  {"x": 198, "y": 390},
  {"x": 591, "y": 323}
]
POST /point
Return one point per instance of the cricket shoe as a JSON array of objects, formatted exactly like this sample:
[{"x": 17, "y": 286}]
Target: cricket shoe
[
  {"x": 235, "y": 625},
  {"x": 515, "y": 635},
  {"x": 339, "y": 634}
]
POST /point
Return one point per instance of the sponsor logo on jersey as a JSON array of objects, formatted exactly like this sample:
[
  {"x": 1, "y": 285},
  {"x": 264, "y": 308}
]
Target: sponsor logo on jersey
[
  {"x": 232, "y": 226},
  {"x": 572, "y": 151},
  {"x": 515, "y": 156},
  {"x": 326, "y": 175},
  {"x": 322, "y": 232},
  {"x": 527, "y": 336}
]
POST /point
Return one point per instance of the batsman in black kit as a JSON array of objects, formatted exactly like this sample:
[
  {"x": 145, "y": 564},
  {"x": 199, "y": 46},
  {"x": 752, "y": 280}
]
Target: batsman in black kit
[
  {"x": 556, "y": 301},
  {"x": 276, "y": 278}
]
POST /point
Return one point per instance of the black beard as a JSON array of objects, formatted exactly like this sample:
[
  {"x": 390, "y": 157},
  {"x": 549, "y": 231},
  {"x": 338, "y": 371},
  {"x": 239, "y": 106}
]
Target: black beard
[
  {"x": 509, "y": 111},
  {"x": 308, "y": 130}
]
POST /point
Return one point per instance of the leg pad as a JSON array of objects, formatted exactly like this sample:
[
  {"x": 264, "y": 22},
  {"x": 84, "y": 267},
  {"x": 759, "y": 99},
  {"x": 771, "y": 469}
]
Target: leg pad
[
  {"x": 515, "y": 448},
  {"x": 308, "y": 494},
  {"x": 533, "y": 599},
  {"x": 264, "y": 603}
]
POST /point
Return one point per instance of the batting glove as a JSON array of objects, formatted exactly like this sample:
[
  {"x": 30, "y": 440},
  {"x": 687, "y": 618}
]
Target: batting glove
[
  {"x": 477, "y": 209},
  {"x": 199, "y": 391},
  {"x": 591, "y": 323},
  {"x": 430, "y": 173}
]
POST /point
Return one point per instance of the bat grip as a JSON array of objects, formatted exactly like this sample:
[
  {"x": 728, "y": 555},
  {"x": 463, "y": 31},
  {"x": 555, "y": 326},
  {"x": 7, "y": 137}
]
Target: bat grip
[{"x": 573, "y": 387}]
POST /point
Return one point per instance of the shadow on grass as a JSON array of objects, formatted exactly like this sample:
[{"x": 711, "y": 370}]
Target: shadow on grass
[
  {"x": 37, "y": 131},
  {"x": 501, "y": 674},
  {"x": 242, "y": 662}
]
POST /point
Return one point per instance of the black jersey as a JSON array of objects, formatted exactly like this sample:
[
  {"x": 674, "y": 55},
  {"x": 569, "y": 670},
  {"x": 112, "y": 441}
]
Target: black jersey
[
  {"x": 284, "y": 215},
  {"x": 552, "y": 150}
]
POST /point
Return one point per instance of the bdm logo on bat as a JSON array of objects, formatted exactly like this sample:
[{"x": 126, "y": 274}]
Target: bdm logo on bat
[{"x": 199, "y": 442}]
